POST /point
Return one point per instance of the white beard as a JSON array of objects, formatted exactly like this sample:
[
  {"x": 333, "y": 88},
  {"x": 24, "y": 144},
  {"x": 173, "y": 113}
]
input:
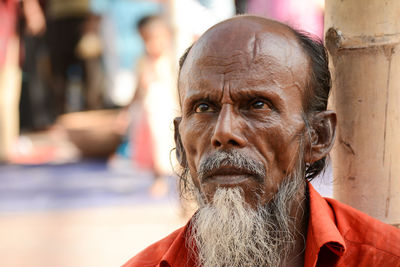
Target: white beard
[{"x": 228, "y": 232}]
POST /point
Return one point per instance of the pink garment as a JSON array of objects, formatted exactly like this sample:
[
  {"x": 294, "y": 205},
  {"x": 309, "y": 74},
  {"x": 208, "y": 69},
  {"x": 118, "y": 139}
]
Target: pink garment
[
  {"x": 305, "y": 15},
  {"x": 142, "y": 144},
  {"x": 8, "y": 19}
]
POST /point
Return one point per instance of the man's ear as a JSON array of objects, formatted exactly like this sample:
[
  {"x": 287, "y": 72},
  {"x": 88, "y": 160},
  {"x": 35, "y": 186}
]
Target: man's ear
[
  {"x": 321, "y": 135},
  {"x": 179, "y": 151}
]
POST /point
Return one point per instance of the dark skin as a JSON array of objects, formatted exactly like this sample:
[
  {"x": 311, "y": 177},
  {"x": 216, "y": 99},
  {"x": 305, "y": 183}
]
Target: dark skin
[{"x": 241, "y": 87}]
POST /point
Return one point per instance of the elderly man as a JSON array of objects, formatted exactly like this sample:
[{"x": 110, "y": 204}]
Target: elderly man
[{"x": 254, "y": 130}]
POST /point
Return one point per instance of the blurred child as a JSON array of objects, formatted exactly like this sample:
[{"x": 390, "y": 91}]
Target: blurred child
[{"x": 156, "y": 95}]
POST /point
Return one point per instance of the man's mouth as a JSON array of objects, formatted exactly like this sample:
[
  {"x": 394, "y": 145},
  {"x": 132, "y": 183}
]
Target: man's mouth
[{"x": 228, "y": 175}]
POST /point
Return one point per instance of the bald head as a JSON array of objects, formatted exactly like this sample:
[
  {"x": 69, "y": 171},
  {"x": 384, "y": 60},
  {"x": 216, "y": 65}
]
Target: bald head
[
  {"x": 245, "y": 33},
  {"x": 241, "y": 31}
]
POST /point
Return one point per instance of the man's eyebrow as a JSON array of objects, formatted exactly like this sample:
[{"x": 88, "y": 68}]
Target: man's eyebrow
[
  {"x": 258, "y": 91},
  {"x": 199, "y": 94}
]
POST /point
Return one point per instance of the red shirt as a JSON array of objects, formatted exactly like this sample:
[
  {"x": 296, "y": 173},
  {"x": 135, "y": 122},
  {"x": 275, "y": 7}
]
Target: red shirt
[{"x": 338, "y": 235}]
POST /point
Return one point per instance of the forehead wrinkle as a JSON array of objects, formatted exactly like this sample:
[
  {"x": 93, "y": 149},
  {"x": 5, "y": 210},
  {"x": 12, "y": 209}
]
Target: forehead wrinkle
[
  {"x": 266, "y": 82},
  {"x": 237, "y": 61}
]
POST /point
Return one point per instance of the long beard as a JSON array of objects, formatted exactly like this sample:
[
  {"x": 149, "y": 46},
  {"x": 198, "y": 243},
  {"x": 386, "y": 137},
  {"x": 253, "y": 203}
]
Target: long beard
[{"x": 228, "y": 232}]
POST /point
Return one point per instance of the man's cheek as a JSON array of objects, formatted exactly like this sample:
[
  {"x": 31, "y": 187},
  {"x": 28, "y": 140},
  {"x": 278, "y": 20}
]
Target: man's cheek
[
  {"x": 187, "y": 142},
  {"x": 193, "y": 175}
]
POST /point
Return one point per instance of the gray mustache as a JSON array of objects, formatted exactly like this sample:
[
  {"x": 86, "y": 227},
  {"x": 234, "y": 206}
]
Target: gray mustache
[{"x": 220, "y": 159}]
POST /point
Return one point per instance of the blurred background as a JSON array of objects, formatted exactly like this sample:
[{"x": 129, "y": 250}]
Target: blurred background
[{"x": 87, "y": 98}]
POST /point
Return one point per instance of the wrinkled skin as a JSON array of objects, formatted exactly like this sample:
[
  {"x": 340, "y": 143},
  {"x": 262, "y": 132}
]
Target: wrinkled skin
[{"x": 242, "y": 87}]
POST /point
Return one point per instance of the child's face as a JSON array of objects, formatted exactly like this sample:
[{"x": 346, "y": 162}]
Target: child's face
[{"x": 156, "y": 39}]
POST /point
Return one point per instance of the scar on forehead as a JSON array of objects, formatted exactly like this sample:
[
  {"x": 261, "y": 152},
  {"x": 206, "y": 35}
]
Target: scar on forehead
[
  {"x": 258, "y": 54},
  {"x": 256, "y": 45}
]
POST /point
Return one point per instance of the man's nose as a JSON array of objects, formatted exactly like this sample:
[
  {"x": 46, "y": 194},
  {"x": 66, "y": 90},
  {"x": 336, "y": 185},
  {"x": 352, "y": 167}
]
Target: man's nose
[{"x": 228, "y": 132}]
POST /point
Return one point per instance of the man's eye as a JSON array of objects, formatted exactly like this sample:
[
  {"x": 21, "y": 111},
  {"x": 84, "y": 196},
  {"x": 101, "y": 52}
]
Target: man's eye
[
  {"x": 259, "y": 105},
  {"x": 203, "y": 108}
]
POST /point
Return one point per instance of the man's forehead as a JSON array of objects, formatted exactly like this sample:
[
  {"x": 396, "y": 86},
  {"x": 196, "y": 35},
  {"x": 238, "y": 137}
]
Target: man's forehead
[{"x": 244, "y": 42}]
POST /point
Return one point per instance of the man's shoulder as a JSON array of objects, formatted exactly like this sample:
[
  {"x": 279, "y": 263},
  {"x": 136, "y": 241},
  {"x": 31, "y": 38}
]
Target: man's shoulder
[
  {"x": 153, "y": 254},
  {"x": 361, "y": 231}
]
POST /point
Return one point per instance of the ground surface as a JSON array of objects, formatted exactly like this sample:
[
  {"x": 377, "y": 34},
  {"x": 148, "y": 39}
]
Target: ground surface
[{"x": 80, "y": 214}]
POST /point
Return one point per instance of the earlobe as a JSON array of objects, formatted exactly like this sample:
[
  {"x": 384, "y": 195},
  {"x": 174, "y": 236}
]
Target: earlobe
[
  {"x": 322, "y": 135},
  {"x": 180, "y": 152}
]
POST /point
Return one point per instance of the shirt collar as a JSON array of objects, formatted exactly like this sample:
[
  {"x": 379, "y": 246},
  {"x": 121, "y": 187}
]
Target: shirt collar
[
  {"x": 322, "y": 230},
  {"x": 178, "y": 254}
]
